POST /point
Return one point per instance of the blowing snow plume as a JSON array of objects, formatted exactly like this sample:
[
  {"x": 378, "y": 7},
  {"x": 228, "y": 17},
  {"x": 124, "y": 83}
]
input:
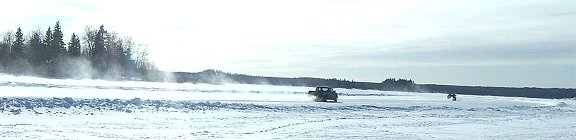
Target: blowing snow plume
[{"x": 23, "y": 86}]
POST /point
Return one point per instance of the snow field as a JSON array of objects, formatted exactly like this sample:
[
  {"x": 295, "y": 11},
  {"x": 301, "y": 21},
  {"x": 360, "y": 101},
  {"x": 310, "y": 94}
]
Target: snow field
[{"x": 37, "y": 108}]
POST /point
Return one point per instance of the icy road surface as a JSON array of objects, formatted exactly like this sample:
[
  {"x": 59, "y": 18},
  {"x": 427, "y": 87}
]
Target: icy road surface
[{"x": 37, "y": 108}]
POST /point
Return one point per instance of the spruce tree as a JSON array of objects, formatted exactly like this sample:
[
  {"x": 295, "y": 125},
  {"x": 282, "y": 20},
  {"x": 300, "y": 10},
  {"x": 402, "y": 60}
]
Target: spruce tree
[
  {"x": 36, "y": 49},
  {"x": 99, "y": 55},
  {"x": 45, "y": 56},
  {"x": 17, "y": 50},
  {"x": 74, "y": 48},
  {"x": 56, "y": 48}
]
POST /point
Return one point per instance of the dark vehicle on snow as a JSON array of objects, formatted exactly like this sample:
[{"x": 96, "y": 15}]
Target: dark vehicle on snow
[
  {"x": 324, "y": 93},
  {"x": 451, "y": 95}
]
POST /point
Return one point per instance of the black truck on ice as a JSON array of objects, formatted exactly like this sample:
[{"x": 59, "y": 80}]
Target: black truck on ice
[{"x": 324, "y": 93}]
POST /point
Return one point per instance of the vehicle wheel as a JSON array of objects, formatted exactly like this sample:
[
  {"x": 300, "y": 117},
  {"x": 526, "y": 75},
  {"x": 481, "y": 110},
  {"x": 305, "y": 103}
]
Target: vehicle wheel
[
  {"x": 335, "y": 100},
  {"x": 323, "y": 99}
]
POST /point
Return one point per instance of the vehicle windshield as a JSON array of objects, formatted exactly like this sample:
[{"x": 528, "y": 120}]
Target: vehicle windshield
[{"x": 323, "y": 88}]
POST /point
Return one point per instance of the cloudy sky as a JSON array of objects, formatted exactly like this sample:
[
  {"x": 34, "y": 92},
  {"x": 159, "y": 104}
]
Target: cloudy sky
[{"x": 519, "y": 43}]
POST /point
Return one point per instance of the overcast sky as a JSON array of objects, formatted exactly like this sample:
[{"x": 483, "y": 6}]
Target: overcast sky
[{"x": 519, "y": 43}]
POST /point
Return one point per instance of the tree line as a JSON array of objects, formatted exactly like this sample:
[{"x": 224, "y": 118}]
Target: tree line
[
  {"x": 96, "y": 53},
  {"x": 391, "y": 84},
  {"x": 219, "y": 77}
]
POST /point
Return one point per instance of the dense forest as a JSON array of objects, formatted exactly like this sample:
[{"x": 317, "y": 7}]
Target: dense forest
[{"x": 96, "y": 53}]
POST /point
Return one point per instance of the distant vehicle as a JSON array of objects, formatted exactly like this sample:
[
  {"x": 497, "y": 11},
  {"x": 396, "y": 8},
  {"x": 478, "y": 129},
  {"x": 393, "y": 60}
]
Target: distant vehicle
[
  {"x": 324, "y": 93},
  {"x": 451, "y": 95}
]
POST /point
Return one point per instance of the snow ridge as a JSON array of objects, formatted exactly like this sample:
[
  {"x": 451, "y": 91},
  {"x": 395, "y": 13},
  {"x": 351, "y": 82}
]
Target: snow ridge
[{"x": 16, "y": 105}]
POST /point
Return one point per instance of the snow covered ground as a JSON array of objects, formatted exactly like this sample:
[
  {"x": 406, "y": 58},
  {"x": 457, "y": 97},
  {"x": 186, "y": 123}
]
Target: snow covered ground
[{"x": 37, "y": 108}]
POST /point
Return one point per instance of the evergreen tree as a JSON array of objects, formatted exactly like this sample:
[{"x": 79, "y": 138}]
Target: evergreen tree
[
  {"x": 36, "y": 48},
  {"x": 49, "y": 55},
  {"x": 17, "y": 50},
  {"x": 74, "y": 48},
  {"x": 45, "y": 56},
  {"x": 99, "y": 56},
  {"x": 56, "y": 48}
]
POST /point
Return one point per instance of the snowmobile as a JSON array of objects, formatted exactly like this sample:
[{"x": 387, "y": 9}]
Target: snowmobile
[{"x": 451, "y": 95}]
